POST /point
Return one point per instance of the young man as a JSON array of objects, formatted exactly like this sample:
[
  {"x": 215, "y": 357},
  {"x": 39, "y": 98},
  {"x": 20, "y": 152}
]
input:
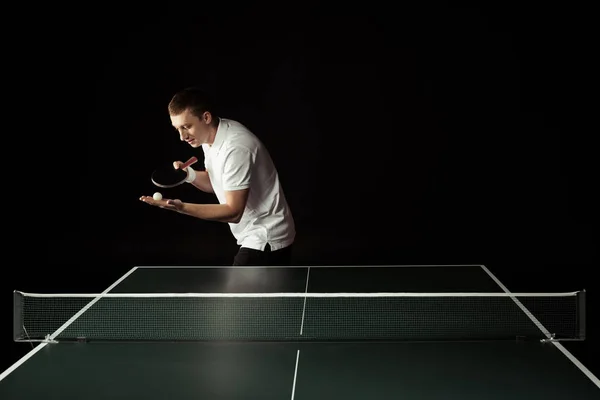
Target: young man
[{"x": 241, "y": 173}]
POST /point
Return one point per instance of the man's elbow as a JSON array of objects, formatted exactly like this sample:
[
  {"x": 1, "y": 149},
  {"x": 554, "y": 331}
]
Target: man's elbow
[{"x": 236, "y": 216}]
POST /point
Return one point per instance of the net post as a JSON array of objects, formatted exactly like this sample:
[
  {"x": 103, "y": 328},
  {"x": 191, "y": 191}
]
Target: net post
[
  {"x": 581, "y": 314},
  {"x": 17, "y": 315}
]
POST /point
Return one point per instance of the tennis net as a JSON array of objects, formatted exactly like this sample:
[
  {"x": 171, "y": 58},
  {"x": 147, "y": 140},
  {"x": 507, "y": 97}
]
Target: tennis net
[{"x": 298, "y": 316}]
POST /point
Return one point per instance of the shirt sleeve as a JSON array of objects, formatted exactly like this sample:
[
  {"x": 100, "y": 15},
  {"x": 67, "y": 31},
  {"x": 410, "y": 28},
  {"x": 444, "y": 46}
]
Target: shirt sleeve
[{"x": 237, "y": 169}]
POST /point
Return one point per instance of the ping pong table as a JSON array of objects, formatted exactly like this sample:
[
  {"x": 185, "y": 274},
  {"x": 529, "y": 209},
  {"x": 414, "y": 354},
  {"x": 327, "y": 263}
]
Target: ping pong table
[{"x": 335, "y": 365}]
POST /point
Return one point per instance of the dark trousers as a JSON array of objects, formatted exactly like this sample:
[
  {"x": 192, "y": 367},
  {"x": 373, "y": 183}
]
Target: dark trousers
[{"x": 246, "y": 256}]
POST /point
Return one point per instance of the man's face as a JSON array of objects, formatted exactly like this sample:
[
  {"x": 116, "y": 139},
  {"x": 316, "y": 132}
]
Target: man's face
[{"x": 193, "y": 130}]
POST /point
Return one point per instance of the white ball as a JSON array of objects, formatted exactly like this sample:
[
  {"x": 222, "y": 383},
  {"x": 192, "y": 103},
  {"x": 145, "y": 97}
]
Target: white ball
[{"x": 157, "y": 196}]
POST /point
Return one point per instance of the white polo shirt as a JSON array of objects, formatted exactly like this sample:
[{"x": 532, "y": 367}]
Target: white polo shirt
[{"x": 237, "y": 160}]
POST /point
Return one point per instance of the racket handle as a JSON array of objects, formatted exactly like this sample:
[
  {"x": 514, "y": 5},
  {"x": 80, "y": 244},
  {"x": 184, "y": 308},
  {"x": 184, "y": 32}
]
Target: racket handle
[{"x": 189, "y": 162}]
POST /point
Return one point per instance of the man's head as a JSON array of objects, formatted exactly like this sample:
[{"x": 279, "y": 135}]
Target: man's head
[{"x": 192, "y": 115}]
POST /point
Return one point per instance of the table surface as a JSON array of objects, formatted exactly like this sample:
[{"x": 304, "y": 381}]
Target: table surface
[{"x": 301, "y": 370}]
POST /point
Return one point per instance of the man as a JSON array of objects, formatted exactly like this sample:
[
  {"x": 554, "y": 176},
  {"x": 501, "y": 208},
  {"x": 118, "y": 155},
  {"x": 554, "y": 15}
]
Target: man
[{"x": 241, "y": 173}]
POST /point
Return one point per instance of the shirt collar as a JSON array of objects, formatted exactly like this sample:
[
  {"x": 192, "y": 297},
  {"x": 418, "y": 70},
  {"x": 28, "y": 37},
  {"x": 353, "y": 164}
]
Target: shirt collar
[{"x": 220, "y": 135}]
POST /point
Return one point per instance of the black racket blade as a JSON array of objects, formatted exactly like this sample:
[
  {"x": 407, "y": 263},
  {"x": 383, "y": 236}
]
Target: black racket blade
[{"x": 167, "y": 176}]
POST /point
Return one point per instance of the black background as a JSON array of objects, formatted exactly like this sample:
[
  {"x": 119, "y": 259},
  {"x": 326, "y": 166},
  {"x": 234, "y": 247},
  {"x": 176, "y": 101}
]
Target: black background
[{"x": 434, "y": 135}]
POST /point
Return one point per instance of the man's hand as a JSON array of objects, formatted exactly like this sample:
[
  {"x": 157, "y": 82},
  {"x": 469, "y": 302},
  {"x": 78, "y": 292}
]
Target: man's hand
[
  {"x": 169, "y": 204},
  {"x": 191, "y": 173},
  {"x": 177, "y": 164}
]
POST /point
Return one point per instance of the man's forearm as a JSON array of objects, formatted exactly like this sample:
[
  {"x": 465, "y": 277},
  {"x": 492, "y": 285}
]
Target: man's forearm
[
  {"x": 202, "y": 182},
  {"x": 211, "y": 212}
]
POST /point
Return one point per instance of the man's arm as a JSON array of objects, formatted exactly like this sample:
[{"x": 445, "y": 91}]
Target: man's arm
[
  {"x": 231, "y": 211},
  {"x": 237, "y": 172},
  {"x": 202, "y": 181}
]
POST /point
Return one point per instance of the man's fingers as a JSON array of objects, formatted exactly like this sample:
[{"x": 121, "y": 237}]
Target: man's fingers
[
  {"x": 177, "y": 164},
  {"x": 150, "y": 200},
  {"x": 164, "y": 203}
]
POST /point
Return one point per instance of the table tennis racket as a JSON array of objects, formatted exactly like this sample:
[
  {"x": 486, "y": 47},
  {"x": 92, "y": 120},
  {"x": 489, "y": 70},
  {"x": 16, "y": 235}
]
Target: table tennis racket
[{"x": 167, "y": 176}]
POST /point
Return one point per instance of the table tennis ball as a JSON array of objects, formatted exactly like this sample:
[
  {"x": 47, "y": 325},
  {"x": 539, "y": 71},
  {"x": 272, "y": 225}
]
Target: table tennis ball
[{"x": 157, "y": 196}]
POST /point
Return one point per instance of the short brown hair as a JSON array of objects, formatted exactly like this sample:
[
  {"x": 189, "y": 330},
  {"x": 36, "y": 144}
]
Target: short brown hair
[{"x": 194, "y": 99}]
